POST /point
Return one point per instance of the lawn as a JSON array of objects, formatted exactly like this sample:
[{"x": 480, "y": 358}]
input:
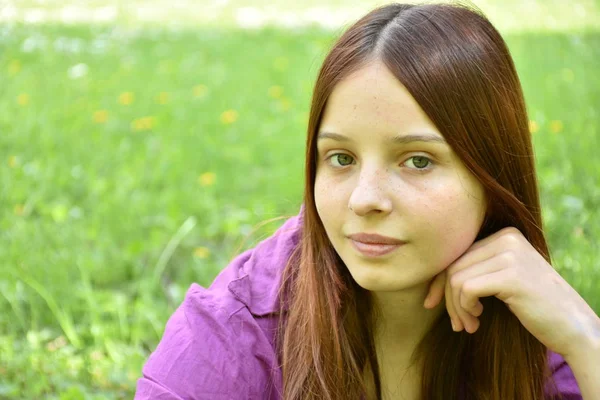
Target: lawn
[{"x": 137, "y": 161}]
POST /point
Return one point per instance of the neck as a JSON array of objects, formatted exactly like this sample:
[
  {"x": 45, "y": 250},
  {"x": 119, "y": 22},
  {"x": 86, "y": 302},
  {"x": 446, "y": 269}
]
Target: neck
[
  {"x": 401, "y": 324},
  {"x": 403, "y": 321}
]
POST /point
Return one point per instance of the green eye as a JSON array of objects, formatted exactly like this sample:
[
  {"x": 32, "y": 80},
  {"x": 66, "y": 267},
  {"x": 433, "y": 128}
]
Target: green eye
[
  {"x": 420, "y": 162},
  {"x": 343, "y": 159}
]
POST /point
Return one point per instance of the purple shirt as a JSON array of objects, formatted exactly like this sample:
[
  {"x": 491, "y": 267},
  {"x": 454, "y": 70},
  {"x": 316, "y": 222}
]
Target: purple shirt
[{"x": 218, "y": 344}]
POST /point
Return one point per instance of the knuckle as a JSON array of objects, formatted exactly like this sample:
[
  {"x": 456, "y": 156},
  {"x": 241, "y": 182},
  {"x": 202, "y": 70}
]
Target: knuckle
[
  {"x": 468, "y": 288},
  {"x": 468, "y": 297},
  {"x": 455, "y": 281},
  {"x": 507, "y": 257},
  {"x": 467, "y": 304},
  {"x": 511, "y": 236},
  {"x": 509, "y": 230}
]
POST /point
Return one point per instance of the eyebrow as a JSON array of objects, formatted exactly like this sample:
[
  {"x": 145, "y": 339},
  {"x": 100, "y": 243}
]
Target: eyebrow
[{"x": 400, "y": 139}]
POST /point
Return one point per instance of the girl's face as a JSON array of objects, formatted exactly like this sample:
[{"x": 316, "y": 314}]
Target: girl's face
[{"x": 384, "y": 168}]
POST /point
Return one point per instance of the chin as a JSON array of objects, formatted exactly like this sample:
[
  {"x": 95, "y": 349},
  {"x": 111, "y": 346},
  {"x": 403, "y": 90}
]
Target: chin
[
  {"x": 377, "y": 279},
  {"x": 385, "y": 277}
]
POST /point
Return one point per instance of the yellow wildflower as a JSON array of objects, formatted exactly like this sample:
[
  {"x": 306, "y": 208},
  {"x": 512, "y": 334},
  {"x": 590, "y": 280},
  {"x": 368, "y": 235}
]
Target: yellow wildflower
[
  {"x": 59, "y": 213},
  {"x": 23, "y": 99},
  {"x": 14, "y": 67},
  {"x": 200, "y": 90},
  {"x": 207, "y": 179},
  {"x": 143, "y": 124},
  {"x": 201, "y": 252},
  {"x": 126, "y": 98},
  {"x": 132, "y": 376},
  {"x": 281, "y": 63},
  {"x": 162, "y": 98},
  {"x": 285, "y": 104},
  {"x": 19, "y": 209},
  {"x": 275, "y": 91},
  {"x": 12, "y": 161},
  {"x": 229, "y": 117},
  {"x": 100, "y": 116},
  {"x": 533, "y": 127},
  {"x": 556, "y": 126}
]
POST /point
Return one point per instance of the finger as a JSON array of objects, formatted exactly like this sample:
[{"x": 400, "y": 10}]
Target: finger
[
  {"x": 468, "y": 321},
  {"x": 457, "y": 325},
  {"x": 493, "y": 237},
  {"x": 472, "y": 256},
  {"x": 436, "y": 290},
  {"x": 468, "y": 312},
  {"x": 485, "y": 248},
  {"x": 500, "y": 284},
  {"x": 476, "y": 310}
]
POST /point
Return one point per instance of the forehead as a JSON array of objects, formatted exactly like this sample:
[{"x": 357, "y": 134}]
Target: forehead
[{"x": 373, "y": 100}]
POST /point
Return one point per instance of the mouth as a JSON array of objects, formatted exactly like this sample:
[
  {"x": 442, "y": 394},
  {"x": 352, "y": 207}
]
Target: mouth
[{"x": 374, "y": 249}]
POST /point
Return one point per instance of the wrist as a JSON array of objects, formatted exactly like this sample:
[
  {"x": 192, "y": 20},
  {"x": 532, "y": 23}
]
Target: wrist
[{"x": 588, "y": 345}]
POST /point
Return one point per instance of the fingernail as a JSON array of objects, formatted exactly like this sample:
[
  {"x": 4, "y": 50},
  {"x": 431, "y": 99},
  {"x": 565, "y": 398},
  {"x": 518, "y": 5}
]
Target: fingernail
[{"x": 453, "y": 326}]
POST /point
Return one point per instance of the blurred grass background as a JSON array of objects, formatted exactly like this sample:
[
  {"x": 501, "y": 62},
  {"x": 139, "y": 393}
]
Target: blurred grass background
[{"x": 142, "y": 141}]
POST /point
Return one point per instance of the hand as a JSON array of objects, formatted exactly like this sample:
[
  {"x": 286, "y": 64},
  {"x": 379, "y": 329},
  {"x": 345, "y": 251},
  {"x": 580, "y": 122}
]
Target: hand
[{"x": 507, "y": 266}]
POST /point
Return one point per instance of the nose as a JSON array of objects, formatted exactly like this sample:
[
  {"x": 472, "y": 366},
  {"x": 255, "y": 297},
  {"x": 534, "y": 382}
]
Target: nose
[{"x": 371, "y": 193}]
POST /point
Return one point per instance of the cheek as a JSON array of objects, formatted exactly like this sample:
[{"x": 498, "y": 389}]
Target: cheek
[
  {"x": 451, "y": 223},
  {"x": 319, "y": 192},
  {"x": 327, "y": 199}
]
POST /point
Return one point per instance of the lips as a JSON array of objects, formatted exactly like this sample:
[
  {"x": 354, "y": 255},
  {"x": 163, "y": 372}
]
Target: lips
[
  {"x": 373, "y": 238},
  {"x": 373, "y": 244},
  {"x": 374, "y": 250}
]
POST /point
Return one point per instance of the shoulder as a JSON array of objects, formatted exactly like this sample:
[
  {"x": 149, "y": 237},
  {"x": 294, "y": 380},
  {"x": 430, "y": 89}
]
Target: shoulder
[
  {"x": 210, "y": 348},
  {"x": 563, "y": 384},
  {"x": 254, "y": 276},
  {"x": 218, "y": 343}
]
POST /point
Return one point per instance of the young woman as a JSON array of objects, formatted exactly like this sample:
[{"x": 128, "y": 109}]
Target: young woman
[{"x": 417, "y": 267}]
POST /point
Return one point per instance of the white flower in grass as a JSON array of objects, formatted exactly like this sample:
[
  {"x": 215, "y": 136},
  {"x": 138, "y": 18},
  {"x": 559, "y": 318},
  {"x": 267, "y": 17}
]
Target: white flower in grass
[
  {"x": 33, "y": 43},
  {"x": 78, "y": 71}
]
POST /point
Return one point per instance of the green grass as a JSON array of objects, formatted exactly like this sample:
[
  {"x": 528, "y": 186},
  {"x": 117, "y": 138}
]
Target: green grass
[
  {"x": 508, "y": 15},
  {"x": 105, "y": 221}
]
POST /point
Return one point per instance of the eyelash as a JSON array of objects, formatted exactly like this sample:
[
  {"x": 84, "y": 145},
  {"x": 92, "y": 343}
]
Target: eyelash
[{"x": 418, "y": 170}]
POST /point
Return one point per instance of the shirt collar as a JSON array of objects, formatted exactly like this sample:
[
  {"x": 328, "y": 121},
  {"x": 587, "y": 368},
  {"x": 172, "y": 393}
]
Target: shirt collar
[{"x": 259, "y": 270}]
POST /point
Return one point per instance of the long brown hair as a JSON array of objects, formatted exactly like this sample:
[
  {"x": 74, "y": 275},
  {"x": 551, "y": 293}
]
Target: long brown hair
[{"x": 458, "y": 68}]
